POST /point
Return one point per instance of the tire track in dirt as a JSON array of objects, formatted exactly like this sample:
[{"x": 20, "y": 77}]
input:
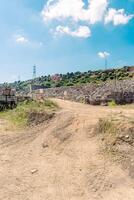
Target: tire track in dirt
[{"x": 66, "y": 158}]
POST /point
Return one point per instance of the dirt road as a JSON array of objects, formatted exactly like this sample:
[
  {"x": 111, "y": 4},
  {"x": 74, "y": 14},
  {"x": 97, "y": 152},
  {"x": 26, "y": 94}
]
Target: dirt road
[{"x": 61, "y": 160}]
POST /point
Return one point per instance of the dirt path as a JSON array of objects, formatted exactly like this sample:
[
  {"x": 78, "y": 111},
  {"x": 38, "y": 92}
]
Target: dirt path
[{"x": 62, "y": 161}]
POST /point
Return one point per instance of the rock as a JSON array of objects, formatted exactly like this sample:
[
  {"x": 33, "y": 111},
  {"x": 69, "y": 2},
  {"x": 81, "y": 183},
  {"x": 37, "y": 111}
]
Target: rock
[
  {"x": 44, "y": 145},
  {"x": 95, "y": 189},
  {"x": 120, "y": 136},
  {"x": 114, "y": 143},
  {"x": 127, "y": 136},
  {"x": 33, "y": 171},
  {"x": 104, "y": 104}
]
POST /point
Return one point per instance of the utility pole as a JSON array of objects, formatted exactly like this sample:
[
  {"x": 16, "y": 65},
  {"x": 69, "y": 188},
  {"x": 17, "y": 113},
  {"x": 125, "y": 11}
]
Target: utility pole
[
  {"x": 19, "y": 79},
  {"x": 104, "y": 55},
  {"x": 34, "y": 71},
  {"x": 32, "y": 82}
]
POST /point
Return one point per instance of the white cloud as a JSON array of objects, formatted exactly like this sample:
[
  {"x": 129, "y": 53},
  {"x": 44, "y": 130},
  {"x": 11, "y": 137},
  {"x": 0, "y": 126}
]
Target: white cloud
[
  {"x": 62, "y": 9},
  {"x": 82, "y": 31},
  {"x": 74, "y": 9},
  {"x": 103, "y": 54},
  {"x": 97, "y": 9},
  {"x": 117, "y": 17},
  {"x": 77, "y": 12},
  {"x": 20, "y": 39}
]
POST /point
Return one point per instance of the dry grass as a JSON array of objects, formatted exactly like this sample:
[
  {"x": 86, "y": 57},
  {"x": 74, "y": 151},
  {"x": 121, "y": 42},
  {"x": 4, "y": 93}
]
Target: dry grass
[
  {"x": 108, "y": 131},
  {"x": 117, "y": 138}
]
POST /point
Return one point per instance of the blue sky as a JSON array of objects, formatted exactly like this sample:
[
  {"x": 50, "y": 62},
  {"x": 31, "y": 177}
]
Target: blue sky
[{"x": 60, "y": 36}]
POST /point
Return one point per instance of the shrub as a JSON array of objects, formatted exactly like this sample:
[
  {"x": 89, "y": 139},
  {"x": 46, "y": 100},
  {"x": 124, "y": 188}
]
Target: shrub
[{"x": 112, "y": 103}]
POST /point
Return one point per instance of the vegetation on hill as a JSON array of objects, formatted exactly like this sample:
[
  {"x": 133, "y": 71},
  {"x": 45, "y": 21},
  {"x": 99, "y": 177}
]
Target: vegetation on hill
[{"x": 74, "y": 78}]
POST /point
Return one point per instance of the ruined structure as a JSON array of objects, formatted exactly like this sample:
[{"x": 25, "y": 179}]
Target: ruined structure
[{"x": 122, "y": 92}]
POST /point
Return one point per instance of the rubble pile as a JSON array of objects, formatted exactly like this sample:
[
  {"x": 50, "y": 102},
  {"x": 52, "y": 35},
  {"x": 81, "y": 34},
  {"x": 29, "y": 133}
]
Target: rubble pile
[
  {"x": 122, "y": 92},
  {"x": 74, "y": 93}
]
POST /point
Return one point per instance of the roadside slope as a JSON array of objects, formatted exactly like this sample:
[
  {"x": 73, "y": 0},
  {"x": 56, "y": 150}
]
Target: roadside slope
[{"x": 61, "y": 161}]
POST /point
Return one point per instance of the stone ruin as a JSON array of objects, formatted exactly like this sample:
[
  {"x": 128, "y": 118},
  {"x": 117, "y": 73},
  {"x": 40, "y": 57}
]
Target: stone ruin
[
  {"x": 122, "y": 92},
  {"x": 73, "y": 93}
]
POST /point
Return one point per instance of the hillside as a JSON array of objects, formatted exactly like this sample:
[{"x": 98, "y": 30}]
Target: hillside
[{"x": 76, "y": 78}]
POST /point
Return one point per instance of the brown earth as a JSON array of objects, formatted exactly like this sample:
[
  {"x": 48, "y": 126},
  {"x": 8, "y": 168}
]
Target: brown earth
[{"x": 61, "y": 160}]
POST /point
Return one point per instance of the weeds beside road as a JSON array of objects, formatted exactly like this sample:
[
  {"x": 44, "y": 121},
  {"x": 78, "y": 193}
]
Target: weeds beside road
[{"x": 29, "y": 112}]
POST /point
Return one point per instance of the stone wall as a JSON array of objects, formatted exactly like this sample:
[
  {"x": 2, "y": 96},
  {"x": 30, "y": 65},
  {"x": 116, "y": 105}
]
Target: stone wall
[
  {"x": 120, "y": 91},
  {"x": 74, "y": 93}
]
